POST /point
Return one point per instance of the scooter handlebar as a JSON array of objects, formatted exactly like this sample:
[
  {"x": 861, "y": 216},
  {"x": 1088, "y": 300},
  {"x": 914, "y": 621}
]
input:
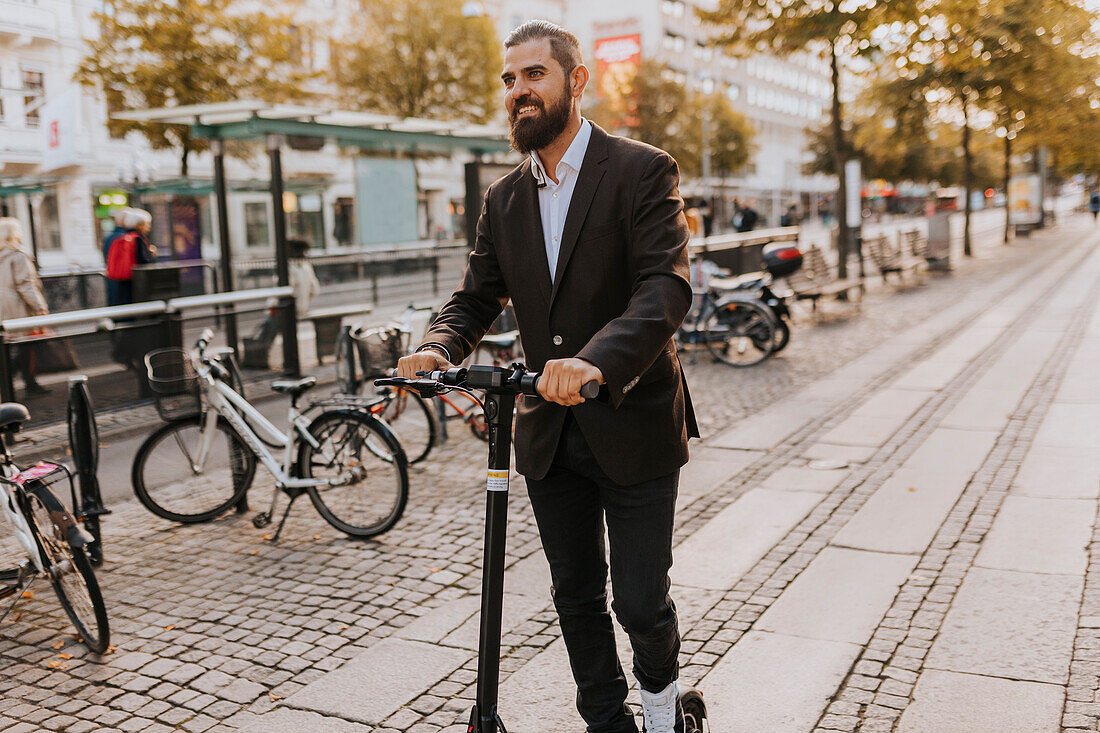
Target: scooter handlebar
[{"x": 492, "y": 379}]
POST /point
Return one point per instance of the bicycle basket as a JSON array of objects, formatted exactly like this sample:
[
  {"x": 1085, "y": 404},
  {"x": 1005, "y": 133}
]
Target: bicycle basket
[
  {"x": 174, "y": 383},
  {"x": 379, "y": 350}
]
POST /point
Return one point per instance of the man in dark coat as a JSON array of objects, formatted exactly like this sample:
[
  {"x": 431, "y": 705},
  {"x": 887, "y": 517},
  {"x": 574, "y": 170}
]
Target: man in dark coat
[{"x": 587, "y": 237}]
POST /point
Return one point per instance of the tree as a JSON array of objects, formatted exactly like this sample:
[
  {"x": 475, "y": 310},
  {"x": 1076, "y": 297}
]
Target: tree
[
  {"x": 181, "y": 52},
  {"x": 420, "y": 58},
  {"x": 1003, "y": 57},
  {"x": 665, "y": 114},
  {"x": 834, "y": 29}
]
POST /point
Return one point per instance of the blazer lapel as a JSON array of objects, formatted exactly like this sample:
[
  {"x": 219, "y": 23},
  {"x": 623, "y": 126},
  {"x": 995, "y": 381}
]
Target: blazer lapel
[
  {"x": 533, "y": 246},
  {"x": 591, "y": 173}
]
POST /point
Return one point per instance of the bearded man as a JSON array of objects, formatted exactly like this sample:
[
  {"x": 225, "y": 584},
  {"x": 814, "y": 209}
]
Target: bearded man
[{"x": 587, "y": 237}]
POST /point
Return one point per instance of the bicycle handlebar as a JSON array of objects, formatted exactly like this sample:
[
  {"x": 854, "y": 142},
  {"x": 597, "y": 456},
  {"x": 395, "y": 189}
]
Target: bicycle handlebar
[{"x": 501, "y": 380}]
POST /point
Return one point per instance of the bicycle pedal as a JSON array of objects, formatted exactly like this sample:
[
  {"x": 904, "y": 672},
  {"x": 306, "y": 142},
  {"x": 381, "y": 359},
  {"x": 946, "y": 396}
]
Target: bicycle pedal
[{"x": 261, "y": 520}]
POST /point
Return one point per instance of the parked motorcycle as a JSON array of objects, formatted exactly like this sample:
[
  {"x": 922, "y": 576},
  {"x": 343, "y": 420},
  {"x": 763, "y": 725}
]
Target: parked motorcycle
[{"x": 781, "y": 259}]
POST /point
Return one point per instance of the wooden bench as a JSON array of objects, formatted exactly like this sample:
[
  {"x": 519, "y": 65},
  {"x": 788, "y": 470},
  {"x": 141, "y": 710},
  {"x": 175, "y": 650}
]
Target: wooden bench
[
  {"x": 888, "y": 259},
  {"x": 815, "y": 279},
  {"x": 916, "y": 243}
]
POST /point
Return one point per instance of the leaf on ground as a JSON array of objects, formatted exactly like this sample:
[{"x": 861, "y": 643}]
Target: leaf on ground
[
  {"x": 274, "y": 697},
  {"x": 911, "y": 488},
  {"x": 253, "y": 552},
  {"x": 63, "y": 655},
  {"x": 169, "y": 627},
  {"x": 27, "y": 594},
  {"x": 316, "y": 536},
  {"x": 267, "y": 536},
  {"x": 111, "y": 649},
  {"x": 18, "y": 615},
  {"x": 55, "y": 664},
  {"x": 58, "y": 644}
]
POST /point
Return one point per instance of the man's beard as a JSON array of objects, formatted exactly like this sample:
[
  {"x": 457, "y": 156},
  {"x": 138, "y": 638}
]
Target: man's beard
[{"x": 536, "y": 133}]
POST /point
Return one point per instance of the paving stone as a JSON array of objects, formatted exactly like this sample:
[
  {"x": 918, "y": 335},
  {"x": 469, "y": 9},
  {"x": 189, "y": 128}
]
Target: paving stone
[
  {"x": 757, "y": 688},
  {"x": 792, "y": 478},
  {"x": 1059, "y": 473},
  {"x": 1039, "y": 536},
  {"x": 412, "y": 667},
  {"x": 731, "y": 542},
  {"x": 970, "y": 703},
  {"x": 1009, "y": 624},
  {"x": 904, "y": 513},
  {"x": 841, "y": 596}
]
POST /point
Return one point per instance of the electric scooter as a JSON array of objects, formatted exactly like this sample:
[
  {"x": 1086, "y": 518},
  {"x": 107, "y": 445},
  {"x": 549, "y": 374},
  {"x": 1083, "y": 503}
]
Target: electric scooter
[{"x": 501, "y": 385}]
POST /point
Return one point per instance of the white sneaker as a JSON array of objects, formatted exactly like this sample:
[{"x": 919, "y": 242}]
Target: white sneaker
[{"x": 659, "y": 709}]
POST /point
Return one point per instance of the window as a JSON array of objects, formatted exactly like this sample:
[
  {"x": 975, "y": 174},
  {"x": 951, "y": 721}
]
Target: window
[
  {"x": 256, "y": 231},
  {"x": 34, "y": 84},
  {"x": 1, "y": 98},
  {"x": 48, "y": 223}
]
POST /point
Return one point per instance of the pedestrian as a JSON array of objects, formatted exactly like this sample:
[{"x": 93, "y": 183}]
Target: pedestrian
[
  {"x": 118, "y": 215},
  {"x": 589, "y": 240},
  {"x": 303, "y": 280},
  {"x": 790, "y": 218},
  {"x": 130, "y": 248},
  {"x": 20, "y": 295},
  {"x": 1094, "y": 204},
  {"x": 749, "y": 217}
]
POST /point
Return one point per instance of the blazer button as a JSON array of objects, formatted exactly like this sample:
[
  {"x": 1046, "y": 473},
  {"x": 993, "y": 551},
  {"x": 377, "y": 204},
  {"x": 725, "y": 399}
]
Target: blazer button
[{"x": 557, "y": 340}]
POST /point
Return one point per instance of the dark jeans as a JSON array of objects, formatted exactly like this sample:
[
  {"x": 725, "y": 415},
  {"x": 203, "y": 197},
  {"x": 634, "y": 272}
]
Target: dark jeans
[{"x": 570, "y": 505}]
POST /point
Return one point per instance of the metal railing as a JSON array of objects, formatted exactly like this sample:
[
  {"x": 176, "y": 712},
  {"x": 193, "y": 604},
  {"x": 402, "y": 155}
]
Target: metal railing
[
  {"x": 740, "y": 252},
  {"x": 108, "y": 344}
]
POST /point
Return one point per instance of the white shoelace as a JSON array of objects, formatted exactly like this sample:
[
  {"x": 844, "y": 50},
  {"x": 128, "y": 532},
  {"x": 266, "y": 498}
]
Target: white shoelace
[{"x": 659, "y": 709}]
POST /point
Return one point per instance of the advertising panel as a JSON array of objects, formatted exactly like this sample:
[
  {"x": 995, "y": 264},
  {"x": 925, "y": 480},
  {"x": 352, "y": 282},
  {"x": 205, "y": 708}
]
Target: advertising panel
[
  {"x": 617, "y": 61},
  {"x": 1024, "y": 197},
  {"x": 60, "y": 127}
]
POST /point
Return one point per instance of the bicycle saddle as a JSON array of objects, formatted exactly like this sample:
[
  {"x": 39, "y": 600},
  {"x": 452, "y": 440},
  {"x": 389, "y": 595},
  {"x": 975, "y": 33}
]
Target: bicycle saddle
[
  {"x": 12, "y": 416},
  {"x": 500, "y": 340},
  {"x": 294, "y": 387}
]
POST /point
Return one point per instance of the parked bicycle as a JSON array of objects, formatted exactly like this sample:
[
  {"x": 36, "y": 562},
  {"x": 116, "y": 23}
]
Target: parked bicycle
[
  {"x": 365, "y": 354},
  {"x": 84, "y": 442},
  {"x": 202, "y": 462},
  {"x": 53, "y": 540}
]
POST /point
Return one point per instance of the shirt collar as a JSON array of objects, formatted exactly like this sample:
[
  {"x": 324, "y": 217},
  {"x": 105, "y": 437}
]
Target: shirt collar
[{"x": 574, "y": 154}]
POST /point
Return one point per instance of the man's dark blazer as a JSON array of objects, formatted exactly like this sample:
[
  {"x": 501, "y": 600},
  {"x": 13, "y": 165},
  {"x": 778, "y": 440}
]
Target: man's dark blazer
[{"x": 621, "y": 291}]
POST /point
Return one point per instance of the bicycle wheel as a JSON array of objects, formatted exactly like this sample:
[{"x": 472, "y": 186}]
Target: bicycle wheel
[
  {"x": 739, "y": 333},
  {"x": 413, "y": 421},
  {"x": 782, "y": 336},
  {"x": 369, "y": 492},
  {"x": 84, "y": 442},
  {"x": 70, "y": 574},
  {"x": 171, "y": 482},
  {"x": 459, "y": 405}
]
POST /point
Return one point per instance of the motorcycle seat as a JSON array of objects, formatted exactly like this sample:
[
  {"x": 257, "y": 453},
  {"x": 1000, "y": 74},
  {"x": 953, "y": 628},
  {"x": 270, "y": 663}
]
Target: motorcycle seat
[
  {"x": 504, "y": 340},
  {"x": 748, "y": 281}
]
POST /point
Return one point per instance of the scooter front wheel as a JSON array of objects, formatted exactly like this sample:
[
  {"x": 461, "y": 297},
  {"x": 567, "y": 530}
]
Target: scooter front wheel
[{"x": 695, "y": 711}]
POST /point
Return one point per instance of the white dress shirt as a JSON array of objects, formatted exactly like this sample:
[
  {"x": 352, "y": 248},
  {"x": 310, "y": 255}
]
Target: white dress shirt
[{"x": 554, "y": 198}]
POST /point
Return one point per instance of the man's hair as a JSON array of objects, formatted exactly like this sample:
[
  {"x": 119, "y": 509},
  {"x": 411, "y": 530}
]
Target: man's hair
[{"x": 564, "y": 46}]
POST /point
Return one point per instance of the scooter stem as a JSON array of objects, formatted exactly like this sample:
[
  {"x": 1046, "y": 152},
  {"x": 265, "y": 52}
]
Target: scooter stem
[{"x": 498, "y": 413}]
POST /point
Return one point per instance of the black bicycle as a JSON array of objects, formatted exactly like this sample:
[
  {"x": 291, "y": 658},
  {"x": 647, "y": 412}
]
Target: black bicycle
[{"x": 84, "y": 441}]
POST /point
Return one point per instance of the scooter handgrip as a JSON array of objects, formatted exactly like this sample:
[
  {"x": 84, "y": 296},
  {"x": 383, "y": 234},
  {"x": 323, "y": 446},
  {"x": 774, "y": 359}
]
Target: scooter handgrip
[{"x": 590, "y": 389}]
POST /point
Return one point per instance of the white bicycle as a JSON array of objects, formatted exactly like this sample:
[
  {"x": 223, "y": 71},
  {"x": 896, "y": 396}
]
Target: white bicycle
[
  {"x": 54, "y": 542},
  {"x": 202, "y": 462}
]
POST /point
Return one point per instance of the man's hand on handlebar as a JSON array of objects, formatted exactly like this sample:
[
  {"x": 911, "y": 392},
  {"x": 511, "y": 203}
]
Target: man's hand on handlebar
[
  {"x": 428, "y": 360},
  {"x": 562, "y": 379}
]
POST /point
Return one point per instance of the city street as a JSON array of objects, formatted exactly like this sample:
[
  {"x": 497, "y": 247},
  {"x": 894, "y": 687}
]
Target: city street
[{"x": 888, "y": 526}]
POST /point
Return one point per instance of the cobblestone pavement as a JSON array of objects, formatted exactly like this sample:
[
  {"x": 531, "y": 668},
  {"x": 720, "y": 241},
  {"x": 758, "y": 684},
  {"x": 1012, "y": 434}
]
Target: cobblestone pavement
[{"x": 215, "y": 627}]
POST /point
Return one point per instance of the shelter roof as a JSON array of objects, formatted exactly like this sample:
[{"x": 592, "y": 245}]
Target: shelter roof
[{"x": 251, "y": 119}]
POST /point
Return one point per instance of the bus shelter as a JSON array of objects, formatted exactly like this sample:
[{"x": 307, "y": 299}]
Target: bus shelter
[{"x": 274, "y": 123}]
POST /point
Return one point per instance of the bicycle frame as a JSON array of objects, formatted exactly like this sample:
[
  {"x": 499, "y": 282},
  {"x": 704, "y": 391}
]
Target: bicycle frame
[
  {"x": 15, "y": 516},
  {"x": 224, "y": 401}
]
